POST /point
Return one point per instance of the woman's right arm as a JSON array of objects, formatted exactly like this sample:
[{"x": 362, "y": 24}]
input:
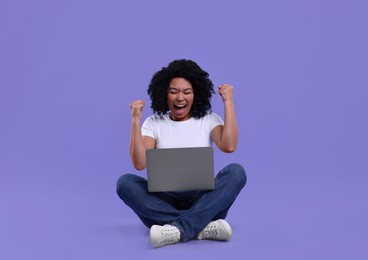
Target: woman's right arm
[{"x": 138, "y": 143}]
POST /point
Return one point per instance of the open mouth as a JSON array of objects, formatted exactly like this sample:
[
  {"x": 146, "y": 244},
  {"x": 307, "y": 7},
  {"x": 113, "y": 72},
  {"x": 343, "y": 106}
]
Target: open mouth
[{"x": 180, "y": 107}]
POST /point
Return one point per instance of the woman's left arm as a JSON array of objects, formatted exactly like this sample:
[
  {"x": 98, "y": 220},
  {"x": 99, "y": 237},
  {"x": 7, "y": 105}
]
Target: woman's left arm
[{"x": 226, "y": 136}]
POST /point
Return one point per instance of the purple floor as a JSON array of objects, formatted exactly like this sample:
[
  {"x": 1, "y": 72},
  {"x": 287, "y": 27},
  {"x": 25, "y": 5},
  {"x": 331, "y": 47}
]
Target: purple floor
[{"x": 70, "y": 218}]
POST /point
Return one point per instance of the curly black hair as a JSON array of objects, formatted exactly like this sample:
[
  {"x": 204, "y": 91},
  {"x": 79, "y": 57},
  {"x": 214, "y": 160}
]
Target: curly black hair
[{"x": 189, "y": 70}]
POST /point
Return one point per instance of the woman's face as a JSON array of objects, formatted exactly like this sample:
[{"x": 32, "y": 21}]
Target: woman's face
[{"x": 180, "y": 99}]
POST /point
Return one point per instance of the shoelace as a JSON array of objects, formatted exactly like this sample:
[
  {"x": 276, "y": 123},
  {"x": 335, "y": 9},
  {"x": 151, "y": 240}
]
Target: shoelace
[
  {"x": 171, "y": 236},
  {"x": 211, "y": 231}
]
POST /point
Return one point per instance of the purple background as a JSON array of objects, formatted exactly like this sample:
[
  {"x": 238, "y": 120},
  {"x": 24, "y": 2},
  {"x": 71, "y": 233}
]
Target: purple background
[{"x": 69, "y": 69}]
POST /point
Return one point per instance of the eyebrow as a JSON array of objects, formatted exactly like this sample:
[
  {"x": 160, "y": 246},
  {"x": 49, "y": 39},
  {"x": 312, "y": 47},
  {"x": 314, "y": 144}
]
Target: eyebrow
[{"x": 174, "y": 88}]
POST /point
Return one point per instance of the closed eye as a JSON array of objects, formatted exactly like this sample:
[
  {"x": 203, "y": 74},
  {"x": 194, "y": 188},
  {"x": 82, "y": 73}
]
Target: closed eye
[{"x": 174, "y": 91}]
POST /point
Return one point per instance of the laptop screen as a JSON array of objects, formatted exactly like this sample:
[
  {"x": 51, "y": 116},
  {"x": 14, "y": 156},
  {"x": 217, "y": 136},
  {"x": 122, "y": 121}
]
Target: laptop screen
[{"x": 178, "y": 169}]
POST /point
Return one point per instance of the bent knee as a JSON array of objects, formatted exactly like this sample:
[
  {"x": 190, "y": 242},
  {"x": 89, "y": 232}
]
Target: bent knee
[
  {"x": 238, "y": 174},
  {"x": 124, "y": 184}
]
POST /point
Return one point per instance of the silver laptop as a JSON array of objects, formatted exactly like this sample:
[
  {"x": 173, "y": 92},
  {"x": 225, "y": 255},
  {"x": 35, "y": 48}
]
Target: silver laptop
[{"x": 179, "y": 169}]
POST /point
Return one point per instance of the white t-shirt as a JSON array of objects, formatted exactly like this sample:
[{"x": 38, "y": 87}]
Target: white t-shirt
[{"x": 194, "y": 132}]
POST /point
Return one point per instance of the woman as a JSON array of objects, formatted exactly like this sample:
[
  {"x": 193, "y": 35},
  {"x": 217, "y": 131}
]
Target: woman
[{"x": 181, "y": 95}]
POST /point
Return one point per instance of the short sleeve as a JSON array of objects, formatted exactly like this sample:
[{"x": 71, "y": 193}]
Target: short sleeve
[
  {"x": 148, "y": 127},
  {"x": 215, "y": 120}
]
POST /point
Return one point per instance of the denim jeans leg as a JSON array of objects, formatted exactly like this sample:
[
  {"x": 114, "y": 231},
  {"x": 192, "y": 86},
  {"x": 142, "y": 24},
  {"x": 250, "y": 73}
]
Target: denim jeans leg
[
  {"x": 150, "y": 207},
  {"x": 228, "y": 183}
]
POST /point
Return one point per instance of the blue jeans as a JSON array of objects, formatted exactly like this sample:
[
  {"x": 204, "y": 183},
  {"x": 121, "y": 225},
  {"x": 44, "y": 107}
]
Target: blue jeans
[{"x": 189, "y": 211}]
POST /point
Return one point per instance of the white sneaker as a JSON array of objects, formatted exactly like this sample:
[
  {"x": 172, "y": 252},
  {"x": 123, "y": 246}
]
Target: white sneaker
[
  {"x": 216, "y": 230},
  {"x": 164, "y": 235}
]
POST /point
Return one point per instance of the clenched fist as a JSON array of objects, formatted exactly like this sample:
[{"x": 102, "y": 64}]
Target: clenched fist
[
  {"x": 226, "y": 92},
  {"x": 136, "y": 108}
]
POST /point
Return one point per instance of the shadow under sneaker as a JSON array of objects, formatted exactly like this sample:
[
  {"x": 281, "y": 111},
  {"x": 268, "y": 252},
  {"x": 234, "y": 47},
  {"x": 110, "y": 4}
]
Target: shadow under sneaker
[
  {"x": 164, "y": 235},
  {"x": 216, "y": 230}
]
